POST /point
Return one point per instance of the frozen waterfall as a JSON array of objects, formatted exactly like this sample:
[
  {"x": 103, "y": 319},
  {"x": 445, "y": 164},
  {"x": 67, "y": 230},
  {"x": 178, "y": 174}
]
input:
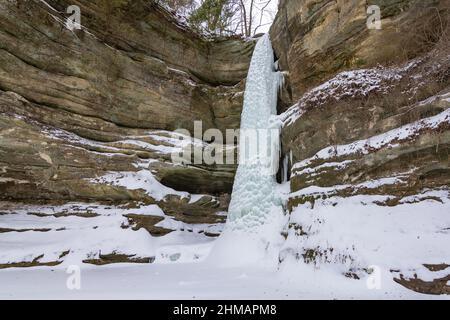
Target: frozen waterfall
[
  {"x": 254, "y": 192},
  {"x": 255, "y": 217}
]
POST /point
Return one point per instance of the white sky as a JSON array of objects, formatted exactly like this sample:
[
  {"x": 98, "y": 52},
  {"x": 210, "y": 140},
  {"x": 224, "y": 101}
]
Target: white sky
[{"x": 268, "y": 16}]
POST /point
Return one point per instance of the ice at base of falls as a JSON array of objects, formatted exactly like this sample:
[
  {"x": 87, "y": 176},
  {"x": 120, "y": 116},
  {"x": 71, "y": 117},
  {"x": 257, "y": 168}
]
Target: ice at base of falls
[{"x": 254, "y": 199}]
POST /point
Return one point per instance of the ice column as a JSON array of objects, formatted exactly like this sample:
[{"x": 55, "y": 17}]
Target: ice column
[{"x": 254, "y": 199}]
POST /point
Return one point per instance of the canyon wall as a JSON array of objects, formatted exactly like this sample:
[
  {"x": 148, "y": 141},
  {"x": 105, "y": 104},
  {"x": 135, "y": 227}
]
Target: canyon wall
[
  {"x": 76, "y": 105},
  {"x": 315, "y": 40},
  {"x": 369, "y": 123}
]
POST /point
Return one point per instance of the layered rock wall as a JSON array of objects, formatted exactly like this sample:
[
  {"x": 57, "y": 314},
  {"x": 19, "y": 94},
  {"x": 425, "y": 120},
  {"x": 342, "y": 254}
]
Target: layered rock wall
[
  {"x": 367, "y": 135},
  {"x": 77, "y": 104}
]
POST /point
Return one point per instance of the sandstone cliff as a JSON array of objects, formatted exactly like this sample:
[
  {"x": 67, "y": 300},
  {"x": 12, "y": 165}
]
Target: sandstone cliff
[
  {"x": 315, "y": 39},
  {"x": 78, "y": 104},
  {"x": 369, "y": 126}
]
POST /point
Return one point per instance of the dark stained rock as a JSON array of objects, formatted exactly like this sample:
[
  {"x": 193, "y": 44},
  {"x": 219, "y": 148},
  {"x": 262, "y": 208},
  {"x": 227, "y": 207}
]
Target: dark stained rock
[
  {"x": 28, "y": 264},
  {"x": 435, "y": 287},
  {"x": 138, "y": 221},
  {"x": 118, "y": 258}
]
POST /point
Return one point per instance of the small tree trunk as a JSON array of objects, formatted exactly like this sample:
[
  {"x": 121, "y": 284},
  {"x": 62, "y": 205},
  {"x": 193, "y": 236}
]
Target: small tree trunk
[{"x": 250, "y": 18}]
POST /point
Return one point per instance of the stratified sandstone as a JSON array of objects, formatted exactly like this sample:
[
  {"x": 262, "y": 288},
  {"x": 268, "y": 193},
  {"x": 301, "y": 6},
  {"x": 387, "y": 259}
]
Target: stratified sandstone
[
  {"x": 76, "y": 105},
  {"x": 315, "y": 40},
  {"x": 369, "y": 122}
]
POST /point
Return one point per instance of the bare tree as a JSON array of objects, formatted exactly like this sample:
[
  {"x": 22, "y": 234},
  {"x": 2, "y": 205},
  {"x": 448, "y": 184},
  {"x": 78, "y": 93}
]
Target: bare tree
[
  {"x": 263, "y": 10},
  {"x": 253, "y": 15},
  {"x": 244, "y": 17}
]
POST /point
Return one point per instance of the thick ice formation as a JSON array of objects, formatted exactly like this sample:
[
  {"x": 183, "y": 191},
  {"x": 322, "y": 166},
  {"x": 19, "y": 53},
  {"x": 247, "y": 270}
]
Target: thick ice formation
[
  {"x": 252, "y": 235},
  {"x": 254, "y": 192}
]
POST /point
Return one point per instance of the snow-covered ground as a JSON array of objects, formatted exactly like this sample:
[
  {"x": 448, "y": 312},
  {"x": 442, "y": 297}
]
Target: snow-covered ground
[
  {"x": 186, "y": 264},
  {"x": 404, "y": 237},
  {"x": 74, "y": 232},
  {"x": 201, "y": 280}
]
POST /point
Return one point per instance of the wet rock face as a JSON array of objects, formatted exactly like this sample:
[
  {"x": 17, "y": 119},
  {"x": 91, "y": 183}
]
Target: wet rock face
[
  {"x": 76, "y": 105},
  {"x": 315, "y": 40}
]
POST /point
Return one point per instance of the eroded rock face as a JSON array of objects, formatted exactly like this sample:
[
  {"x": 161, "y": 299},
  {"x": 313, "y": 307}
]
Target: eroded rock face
[
  {"x": 76, "y": 105},
  {"x": 367, "y": 138},
  {"x": 361, "y": 104},
  {"x": 315, "y": 40},
  {"x": 136, "y": 70}
]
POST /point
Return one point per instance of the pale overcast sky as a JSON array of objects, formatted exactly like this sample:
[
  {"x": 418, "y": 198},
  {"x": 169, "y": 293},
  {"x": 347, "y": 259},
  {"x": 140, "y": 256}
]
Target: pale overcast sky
[{"x": 269, "y": 14}]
